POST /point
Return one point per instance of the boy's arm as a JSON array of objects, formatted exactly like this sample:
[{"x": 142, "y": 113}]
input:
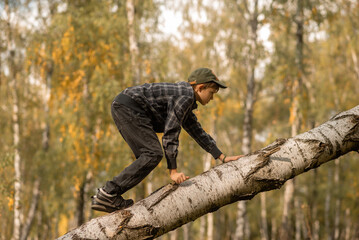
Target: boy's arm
[
  {"x": 176, "y": 112},
  {"x": 195, "y": 130}
]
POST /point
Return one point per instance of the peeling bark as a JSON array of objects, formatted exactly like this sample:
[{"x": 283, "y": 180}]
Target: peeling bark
[{"x": 269, "y": 168}]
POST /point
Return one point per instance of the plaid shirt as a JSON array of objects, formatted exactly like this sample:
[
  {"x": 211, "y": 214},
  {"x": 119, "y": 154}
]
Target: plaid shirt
[{"x": 170, "y": 106}]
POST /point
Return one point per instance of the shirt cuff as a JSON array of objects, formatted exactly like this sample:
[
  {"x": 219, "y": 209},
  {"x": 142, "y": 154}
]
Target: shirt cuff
[
  {"x": 215, "y": 152},
  {"x": 172, "y": 164}
]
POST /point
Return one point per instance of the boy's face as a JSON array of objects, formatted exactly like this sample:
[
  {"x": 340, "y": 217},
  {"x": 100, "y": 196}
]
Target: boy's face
[{"x": 204, "y": 95}]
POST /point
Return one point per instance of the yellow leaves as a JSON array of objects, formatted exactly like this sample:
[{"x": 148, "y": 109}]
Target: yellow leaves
[
  {"x": 66, "y": 39},
  {"x": 10, "y": 203},
  {"x": 314, "y": 11},
  {"x": 71, "y": 131},
  {"x": 63, "y": 130},
  {"x": 293, "y": 112},
  {"x": 148, "y": 67},
  {"x": 63, "y": 224}
]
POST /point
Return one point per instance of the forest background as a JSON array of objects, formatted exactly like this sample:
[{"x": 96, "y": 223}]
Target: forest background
[{"x": 62, "y": 63}]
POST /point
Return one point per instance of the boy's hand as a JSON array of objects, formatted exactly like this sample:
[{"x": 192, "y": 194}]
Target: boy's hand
[
  {"x": 229, "y": 158},
  {"x": 178, "y": 177}
]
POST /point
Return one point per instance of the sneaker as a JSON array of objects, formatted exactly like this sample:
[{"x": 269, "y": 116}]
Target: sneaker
[{"x": 105, "y": 202}]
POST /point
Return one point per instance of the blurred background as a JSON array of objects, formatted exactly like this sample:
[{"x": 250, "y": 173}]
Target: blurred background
[{"x": 290, "y": 65}]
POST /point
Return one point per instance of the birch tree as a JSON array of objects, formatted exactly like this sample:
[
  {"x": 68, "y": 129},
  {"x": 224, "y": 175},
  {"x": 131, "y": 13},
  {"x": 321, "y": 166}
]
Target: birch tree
[
  {"x": 266, "y": 169},
  {"x": 133, "y": 45},
  {"x": 13, "y": 76}
]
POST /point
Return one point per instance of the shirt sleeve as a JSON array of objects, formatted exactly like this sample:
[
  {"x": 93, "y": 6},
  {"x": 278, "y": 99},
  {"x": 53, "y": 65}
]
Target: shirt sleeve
[
  {"x": 176, "y": 112},
  {"x": 195, "y": 130}
]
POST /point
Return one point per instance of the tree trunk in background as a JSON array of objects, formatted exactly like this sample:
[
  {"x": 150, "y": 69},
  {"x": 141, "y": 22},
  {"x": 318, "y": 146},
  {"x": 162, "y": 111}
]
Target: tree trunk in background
[
  {"x": 17, "y": 164},
  {"x": 314, "y": 207},
  {"x": 298, "y": 218},
  {"x": 186, "y": 231},
  {"x": 264, "y": 224},
  {"x": 337, "y": 187},
  {"x": 348, "y": 224},
  {"x": 13, "y": 75},
  {"x": 285, "y": 231},
  {"x": 243, "y": 223},
  {"x": 32, "y": 211},
  {"x": 132, "y": 39},
  {"x": 269, "y": 168},
  {"x": 274, "y": 230},
  {"x": 202, "y": 228},
  {"x": 83, "y": 192},
  {"x": 355, "y": 60},
  {"x": 295, "y": 120},
  {"x": 173, "y": 234},
  {"x": 328, "y": 198}
]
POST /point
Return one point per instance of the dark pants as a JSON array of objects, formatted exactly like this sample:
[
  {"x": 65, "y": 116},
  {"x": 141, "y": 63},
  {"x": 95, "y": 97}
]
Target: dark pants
[{"x": 138, "y": 132}]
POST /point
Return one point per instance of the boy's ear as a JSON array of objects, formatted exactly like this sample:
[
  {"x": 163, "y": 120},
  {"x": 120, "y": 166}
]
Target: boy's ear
[{"x": 200, "y": 86}]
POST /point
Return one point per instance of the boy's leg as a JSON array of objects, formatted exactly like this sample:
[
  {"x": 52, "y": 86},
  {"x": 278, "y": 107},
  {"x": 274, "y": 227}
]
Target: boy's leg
[{"x": 138, "y": 132}]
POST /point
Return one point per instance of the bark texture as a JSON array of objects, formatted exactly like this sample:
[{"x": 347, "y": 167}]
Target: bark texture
[{"x": 269, "y": 168}]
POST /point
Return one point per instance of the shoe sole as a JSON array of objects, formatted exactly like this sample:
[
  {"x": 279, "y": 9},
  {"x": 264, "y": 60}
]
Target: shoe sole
[
  {"x": 98, "y": 205},
  {"x": 102, "y": 208}
]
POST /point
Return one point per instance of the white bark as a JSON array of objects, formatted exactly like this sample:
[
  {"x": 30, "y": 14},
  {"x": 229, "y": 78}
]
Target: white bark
[
  {"x": 240, "y": 222},
  {"x": 134, "y": 51},
  {"x": 269, "y": 168},
  {"x": 17, "y": 168},
  {"x": 15, "y": 122},
  {"x": 242, "y": 227}
]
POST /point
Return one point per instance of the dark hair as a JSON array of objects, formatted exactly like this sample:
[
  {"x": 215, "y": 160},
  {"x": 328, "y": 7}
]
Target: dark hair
[{"x": 208, "y": 85}]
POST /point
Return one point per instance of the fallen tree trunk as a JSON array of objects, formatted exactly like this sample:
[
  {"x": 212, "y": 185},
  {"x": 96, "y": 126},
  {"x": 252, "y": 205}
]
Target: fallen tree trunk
[{"x": 269, "y": 168}]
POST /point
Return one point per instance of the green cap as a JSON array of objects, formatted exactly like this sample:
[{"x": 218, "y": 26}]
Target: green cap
[{"x": 204, "y": 75}]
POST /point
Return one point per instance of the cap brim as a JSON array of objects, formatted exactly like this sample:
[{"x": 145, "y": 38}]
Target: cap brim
[{"x": 220, "y": 84}]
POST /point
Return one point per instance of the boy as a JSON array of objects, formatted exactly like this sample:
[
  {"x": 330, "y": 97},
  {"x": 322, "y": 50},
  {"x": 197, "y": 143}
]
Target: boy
[{"x": 141, "y": 111}]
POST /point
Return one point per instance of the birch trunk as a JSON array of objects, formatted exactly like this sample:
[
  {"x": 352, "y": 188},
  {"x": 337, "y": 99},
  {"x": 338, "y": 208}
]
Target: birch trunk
[
  {"x": 337, "y": 200},
  {"x": 328, "y": 198},
  {"x": 242, "y": 223},
  {"x": 315, "y": 225},
  {"x": 348, "y": 224},
  {"x": 15, "y": 123},
  {"x": 264, "y": 224},
  {"x": 17, "y": 164},
  {"x": 185, "y": 232},
  {"x": 134, "y": 51},
  {"x": 285, "y": 230},
  {"x": 173, "y": 235},
  {"x": 269, "y": 168},
  {"x": 83, "y": 192},
  {"x": 295, "y": 119},
  {"x": 32, "y": 210}
]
